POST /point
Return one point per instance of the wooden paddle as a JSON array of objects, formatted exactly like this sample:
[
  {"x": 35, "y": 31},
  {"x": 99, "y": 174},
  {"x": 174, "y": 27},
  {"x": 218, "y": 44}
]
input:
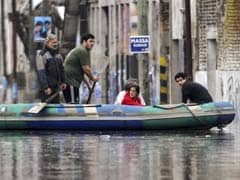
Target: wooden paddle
[{"x": 40, "y": 106}]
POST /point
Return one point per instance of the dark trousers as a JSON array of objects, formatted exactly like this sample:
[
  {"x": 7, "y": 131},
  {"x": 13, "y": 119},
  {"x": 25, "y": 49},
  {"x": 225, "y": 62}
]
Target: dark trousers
[{"x": 71, "y": 95}]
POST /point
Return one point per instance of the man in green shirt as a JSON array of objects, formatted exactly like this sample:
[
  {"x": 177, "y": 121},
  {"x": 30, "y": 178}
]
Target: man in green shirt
[{"x": 76, "y": 65}]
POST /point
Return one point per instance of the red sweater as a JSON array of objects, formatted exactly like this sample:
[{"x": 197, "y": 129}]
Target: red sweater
[{"x": 127, "y": 100}]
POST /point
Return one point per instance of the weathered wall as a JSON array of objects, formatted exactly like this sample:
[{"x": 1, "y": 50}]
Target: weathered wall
[
  {"x": 227, "y": 86},
  {"x": 218, "y": 25},
  {"x": 207, "y": 16},
  {"x": 225, "y": 17},
  {"x": 229, "y": 38},
  {"x": 1, "y": 41}
]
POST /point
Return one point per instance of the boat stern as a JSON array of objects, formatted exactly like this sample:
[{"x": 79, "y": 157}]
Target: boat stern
[{"x": 226, "y": 115}]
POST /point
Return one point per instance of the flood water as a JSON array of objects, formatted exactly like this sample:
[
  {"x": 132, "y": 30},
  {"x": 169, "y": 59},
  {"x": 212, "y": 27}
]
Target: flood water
[{"x": 148, "y": 155}]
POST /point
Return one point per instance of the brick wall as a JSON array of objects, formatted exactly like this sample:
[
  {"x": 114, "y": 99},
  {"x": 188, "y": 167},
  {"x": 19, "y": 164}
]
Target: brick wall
[
  {"x": 224, "y": 14},
  {"x": 229, "y": 38},
  {"x": 207, "y": 16}
]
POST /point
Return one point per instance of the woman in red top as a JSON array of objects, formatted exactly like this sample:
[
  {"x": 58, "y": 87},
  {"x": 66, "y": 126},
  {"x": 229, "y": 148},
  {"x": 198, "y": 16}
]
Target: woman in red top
[{"x": 131, "y": 96}]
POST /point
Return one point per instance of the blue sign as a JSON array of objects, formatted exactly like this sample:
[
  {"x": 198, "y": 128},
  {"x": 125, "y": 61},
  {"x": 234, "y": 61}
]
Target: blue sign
[{"x": 139, "y": 44}]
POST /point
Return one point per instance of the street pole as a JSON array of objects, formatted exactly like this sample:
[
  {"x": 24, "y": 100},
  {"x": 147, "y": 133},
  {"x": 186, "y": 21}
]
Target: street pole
[
  {"x": 14, "y": 39},
  {"x": 4, "y": 49},
  {"x": 3, "y": 37},
  {"x": 14, "y": 43},
  {"x": 45, "y": 8},
  {"x": 71, "y": 19},
  {"x": 143, "y": 60},
  {"x": 30, "y": 39},
  {"x": 188, "y": 67}
]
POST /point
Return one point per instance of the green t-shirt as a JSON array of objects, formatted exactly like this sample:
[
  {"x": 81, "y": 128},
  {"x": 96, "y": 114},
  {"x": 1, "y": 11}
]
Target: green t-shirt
[{"x": 73, "y": 63}]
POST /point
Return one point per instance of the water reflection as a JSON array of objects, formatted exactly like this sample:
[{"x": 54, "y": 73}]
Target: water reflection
[{"x": 122, "y": 155}]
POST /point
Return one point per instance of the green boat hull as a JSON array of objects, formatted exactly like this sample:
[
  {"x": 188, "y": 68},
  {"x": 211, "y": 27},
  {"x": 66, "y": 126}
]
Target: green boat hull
[{"x": 116, "y": 117}]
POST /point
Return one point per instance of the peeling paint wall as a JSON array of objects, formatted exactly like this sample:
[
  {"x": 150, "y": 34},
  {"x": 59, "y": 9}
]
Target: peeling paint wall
[
  {"x": 229, "y": 38},
  {"x": 227, "y": 86}
]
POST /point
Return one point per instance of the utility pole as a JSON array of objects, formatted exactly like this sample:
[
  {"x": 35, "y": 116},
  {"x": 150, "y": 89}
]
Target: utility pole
[
  {"x": 14, "y": 44},
  {"x": 71, "y": 19},
  {"x": 45, "y": 8},
  {"x": 32, "y": 46},
  {"x": 14, "y": 39},
  {"x": 31, "y": 78},
  {"x": 188, "y": 67},
  {"x": 3, "y": 37},
  {"x": 5, "y": 81},
  {"x": 143, "y": 60}
]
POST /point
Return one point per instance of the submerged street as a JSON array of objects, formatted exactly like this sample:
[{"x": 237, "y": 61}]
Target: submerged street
[{"x": 137, "y": 155}]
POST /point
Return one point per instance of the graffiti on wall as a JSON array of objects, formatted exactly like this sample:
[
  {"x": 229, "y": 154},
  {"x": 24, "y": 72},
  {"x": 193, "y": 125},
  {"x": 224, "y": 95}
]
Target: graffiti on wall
[{"x": 228, "y": 88}]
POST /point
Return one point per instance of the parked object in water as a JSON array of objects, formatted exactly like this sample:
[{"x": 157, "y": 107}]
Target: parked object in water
[{"x": 116, "y": 117}]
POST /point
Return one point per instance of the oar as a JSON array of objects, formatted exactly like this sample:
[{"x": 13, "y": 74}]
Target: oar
[
  {"x": 186, "y": 106},
  {"x": 174, "y": 106},
  {"x": 39, "y": 106},
  {"x": 100, "y": 71},
  {"x": 90, "y": 92}
]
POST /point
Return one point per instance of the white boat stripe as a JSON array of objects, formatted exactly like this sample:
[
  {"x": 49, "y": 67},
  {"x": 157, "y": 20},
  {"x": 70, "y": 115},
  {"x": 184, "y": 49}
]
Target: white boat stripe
[
  {"x": 91, "y": 111},
  {"x": 71, "y": 110}
]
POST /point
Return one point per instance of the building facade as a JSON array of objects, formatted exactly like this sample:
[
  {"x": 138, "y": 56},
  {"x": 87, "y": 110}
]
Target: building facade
[
  {"x": 215, "y": 45},
  {"x": 114, "y": 23}
]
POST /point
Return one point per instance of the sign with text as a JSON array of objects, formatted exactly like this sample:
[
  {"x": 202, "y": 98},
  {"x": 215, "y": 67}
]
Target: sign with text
[{"x": 139, "y": 44}]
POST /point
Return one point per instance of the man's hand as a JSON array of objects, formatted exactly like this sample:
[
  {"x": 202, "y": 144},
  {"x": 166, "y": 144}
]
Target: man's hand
[
  {"x": 63, "y": 86},
  {"x": 88, "y": 72},
  {"x": 95, "y": 78}
]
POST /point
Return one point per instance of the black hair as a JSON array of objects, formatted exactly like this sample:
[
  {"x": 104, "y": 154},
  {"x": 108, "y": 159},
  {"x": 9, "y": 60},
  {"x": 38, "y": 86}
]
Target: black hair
[
  {"x": 39, "y": 23},
  {"x": 181, "y": 74},
  {"x": 127, "y": 86},
  {"x": 135, "y": 86},
  {"x": 130, "y": 82},
  {"x": 87, "y": 36},
  {"x": 47, "y": 22}
]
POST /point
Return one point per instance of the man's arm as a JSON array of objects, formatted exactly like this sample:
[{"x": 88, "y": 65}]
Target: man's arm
[
  {"x": 86, "y": 80},
  {"x": 186, "y": 93},
  {"x": 41, "y": 71},
  {"x": 40, "y": 63},
  {"x": 88, "y": 72},
  {"x": 184, "y": 99}
]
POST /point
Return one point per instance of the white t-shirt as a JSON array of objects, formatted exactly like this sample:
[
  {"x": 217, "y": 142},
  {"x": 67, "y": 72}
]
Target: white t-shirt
[{"x": 121, "y": 95}]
